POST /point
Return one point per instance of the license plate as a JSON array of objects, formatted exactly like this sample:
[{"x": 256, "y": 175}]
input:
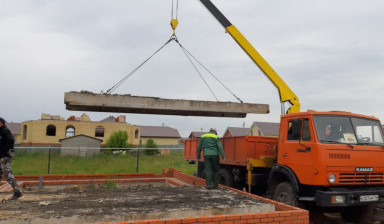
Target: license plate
[{"x": 365, "y": 198}]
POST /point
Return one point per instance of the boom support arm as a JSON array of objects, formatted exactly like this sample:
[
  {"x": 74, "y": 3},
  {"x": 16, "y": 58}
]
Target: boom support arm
[{"x": 285, "y": 93}]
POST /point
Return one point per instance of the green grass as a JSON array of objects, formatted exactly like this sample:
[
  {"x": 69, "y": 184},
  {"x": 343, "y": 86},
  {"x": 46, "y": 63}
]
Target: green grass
[{"x": 37, "y": 164}]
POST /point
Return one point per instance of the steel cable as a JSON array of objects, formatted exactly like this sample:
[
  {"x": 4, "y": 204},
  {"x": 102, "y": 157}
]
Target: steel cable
[
  {"x": 189, "y": 55},
  {"x": 218, "y": 80},
  {"x": 177, "y": 8},
  {"x": 197, "y": 70},
  {"x": 113, "y": 88}
]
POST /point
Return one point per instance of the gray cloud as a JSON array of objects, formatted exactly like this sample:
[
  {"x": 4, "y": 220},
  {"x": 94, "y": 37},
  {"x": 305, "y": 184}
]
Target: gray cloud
[{"x": 330, "y": 53}]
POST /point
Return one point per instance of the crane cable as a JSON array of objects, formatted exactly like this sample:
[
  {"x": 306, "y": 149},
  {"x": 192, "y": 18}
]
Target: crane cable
[
  {"x": 173, "y": 38},
  {"x": 113, "y": 88},
  {"x": 174, "y": 23},
  {"x": 197, "y": 70},
  {"x": 218, "y": 80},
  {"x": 176, "y": 7}
]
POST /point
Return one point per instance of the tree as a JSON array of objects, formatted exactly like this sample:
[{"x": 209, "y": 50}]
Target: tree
[
  {"x": 118, "y": 140},
  {"x": 151, "y": 147}
]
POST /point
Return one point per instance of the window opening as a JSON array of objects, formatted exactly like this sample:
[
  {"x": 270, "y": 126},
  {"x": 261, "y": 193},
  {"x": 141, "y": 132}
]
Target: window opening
[
  {"x": 99, "y": 132},
  {"x": 348, "y": 130},
  {"x": 51, "y": 130},
  {"x": 294, "y": 131},
  {"x": 69, "y": 131},
  {"x": 25, "y": 132},
  {"x": 367, "y": 131}
]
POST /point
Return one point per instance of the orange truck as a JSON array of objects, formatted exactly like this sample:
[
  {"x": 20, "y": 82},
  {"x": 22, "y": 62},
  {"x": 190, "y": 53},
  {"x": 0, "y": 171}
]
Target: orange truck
[{"x": 332, "y": 160}]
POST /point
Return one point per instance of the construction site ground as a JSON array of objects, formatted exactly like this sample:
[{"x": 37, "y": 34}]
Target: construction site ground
[
  {"x": 130, "y": 197},
  {"x": 107, "y": 202},
  {"x": 136, "y": 202},
  {"x": 110, "y": 202}
]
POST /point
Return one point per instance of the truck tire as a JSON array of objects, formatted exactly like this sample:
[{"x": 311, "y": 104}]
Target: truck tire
[
  {"x": 284, "y": 193},
  {"x": 358, "y": 214},
  {"x": 226, "y": 177}
]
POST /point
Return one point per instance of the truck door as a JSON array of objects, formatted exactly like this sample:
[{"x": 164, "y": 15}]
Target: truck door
[{"x": 295, "y": 148}]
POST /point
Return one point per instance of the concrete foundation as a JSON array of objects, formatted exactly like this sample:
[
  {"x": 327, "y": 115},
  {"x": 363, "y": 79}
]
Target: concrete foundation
[
  {"x": 87, "y": 101},
  {"x": 169, "y": 198}
]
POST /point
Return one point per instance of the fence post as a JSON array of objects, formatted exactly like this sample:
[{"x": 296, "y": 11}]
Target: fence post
[
  {"x": 138, "y": 157},
  {"x": 49, "y": 160},
  {"x": 40, "y": 184}
]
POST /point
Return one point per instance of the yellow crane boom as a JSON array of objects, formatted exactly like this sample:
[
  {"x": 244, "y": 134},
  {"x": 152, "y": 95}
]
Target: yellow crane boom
[{"x": 285, "y": 93}]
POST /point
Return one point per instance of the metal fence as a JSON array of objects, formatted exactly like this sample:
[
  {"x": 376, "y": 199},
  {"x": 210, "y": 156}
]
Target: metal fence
[{"x": 86, "y": 160}]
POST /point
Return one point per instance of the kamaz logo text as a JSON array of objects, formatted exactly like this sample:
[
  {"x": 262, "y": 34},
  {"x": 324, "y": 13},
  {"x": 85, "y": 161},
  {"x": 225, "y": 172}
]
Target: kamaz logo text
[{"x": 364, "y": 169}]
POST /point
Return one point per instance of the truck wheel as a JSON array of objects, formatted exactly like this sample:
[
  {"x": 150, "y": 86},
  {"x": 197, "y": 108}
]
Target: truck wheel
[
  {"x": 358, "y": 214},
  {"x": 284, "y": 193},
  {"x": 226, "y": 177}
]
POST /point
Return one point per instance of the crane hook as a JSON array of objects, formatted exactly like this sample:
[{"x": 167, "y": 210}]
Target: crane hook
[{"x": 174, "y": 23}]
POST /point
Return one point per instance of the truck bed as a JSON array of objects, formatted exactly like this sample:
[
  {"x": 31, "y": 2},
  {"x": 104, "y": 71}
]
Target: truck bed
[{"x": 237, "y": 149}]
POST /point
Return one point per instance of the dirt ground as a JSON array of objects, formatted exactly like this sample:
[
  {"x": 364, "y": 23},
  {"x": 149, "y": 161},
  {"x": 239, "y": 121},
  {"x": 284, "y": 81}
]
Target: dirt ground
[{"x": 99, "y": 204}]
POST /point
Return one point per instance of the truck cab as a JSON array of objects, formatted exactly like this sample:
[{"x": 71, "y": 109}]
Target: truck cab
[{"x": 333, "y": 159}]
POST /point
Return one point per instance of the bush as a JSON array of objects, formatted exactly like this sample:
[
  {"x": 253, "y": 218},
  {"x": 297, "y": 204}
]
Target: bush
[
  {"x": 151, "y": 148},
  {"x": 118, "y": 140}
]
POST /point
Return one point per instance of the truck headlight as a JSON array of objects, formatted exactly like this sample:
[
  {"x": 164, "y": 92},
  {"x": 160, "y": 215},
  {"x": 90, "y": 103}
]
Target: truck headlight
[
  {"x": 338, "y": 199},
  {"x": 332, "y": 178}
]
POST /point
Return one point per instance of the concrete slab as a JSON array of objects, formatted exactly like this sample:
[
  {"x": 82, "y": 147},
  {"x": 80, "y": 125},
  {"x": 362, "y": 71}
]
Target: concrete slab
[{"x": 88, "y": 101}]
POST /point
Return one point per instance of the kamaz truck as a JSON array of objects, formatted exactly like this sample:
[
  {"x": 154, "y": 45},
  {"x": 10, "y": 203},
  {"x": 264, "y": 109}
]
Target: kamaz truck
[{"x": 333, "y": 160}]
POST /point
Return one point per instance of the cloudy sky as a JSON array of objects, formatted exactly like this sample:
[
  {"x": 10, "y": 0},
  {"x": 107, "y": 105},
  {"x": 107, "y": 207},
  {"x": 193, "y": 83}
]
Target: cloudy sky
[{"x": 331, "y": 54}]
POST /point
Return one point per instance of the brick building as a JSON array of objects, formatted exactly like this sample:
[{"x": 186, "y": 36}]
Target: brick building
[{"x": 50, "y": 129}]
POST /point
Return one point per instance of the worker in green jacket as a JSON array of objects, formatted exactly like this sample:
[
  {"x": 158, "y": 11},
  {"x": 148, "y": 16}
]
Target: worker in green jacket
[{"x": 211, "y": 146}]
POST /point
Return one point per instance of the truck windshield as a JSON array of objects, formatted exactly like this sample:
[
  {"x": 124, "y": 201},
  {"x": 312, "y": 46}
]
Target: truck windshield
[{"x": 348, "y": 130}]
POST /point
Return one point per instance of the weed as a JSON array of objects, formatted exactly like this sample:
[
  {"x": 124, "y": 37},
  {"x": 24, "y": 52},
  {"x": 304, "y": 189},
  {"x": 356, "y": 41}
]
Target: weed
[{"x": 109, "y": 185}]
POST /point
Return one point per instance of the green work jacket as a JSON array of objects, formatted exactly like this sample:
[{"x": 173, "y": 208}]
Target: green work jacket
[{"x": 211, "y": 146}]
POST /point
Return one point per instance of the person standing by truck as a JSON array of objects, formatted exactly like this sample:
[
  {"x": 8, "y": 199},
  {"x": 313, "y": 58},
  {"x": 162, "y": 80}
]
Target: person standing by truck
[
  {"x": 6, "y": 153},
  {"x": 211, "y": 146}
]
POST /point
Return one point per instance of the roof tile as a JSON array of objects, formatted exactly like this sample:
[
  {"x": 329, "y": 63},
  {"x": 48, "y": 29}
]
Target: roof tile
[
  {"x": 158, "y": 131},
  {"x": 268, "y": 128},
  {"x": 15, "y": 128}
]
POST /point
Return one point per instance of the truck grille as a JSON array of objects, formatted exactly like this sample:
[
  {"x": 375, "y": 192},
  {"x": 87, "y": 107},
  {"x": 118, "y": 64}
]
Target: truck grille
[
  {"x": 339, "y": 156},
  {"x": 361, "y": 178}
]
